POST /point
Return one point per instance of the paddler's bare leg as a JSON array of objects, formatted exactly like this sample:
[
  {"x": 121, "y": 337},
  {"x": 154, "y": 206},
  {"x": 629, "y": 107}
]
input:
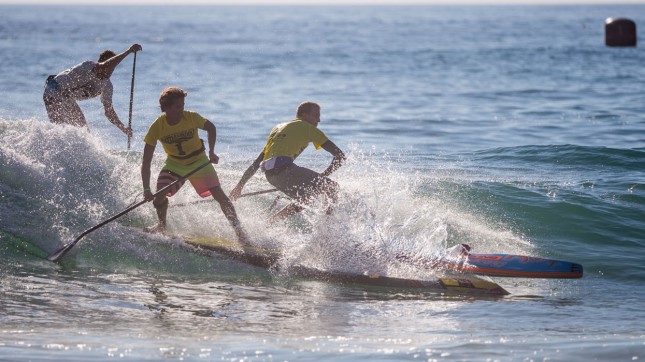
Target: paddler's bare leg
[
  {"x": 287, "y": 211},
  {"x": 229, "y": 211},
  {"x": 331, "y": 194},
  {"x": 161, "y": 205}
]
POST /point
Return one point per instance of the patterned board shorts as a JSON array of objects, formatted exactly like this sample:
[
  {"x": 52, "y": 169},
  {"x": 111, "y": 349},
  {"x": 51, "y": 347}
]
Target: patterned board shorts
[{"x": 203, "y": 180}]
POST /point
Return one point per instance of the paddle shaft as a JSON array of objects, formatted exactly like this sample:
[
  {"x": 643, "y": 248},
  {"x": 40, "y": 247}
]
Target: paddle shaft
[
  {"x": 67, "y": 247},
  {"x": 243, "y": 195},
  {"x": 258, "y": 192},
  {"x": 134, "y": 67}
]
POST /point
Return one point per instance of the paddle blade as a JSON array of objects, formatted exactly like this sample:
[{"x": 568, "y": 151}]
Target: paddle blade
[{"x": 55, "y": 256}]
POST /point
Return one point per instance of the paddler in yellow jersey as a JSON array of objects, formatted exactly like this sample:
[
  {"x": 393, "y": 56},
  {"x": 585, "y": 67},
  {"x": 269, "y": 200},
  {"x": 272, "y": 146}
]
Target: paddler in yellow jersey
[
  {"x": 177, "y": 130},
  {"x": 285, "y": 143}
]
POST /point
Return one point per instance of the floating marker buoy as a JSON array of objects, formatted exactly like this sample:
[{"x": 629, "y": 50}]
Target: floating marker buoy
[{"x": 620, "y": 32}]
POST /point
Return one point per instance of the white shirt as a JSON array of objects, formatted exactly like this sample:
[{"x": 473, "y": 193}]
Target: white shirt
[{"x": 80, "y": 83}]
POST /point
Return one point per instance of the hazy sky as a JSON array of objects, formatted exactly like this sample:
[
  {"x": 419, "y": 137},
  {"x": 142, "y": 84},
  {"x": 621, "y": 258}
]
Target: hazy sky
[{"x": 313, "y": 2}]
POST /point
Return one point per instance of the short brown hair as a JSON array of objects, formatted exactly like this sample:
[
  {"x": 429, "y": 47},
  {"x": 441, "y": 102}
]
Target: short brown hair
[
  {"x": 105, "y": 55},
  {"x": 169, "y": 96},
  {"x": 306, "y": 107}
]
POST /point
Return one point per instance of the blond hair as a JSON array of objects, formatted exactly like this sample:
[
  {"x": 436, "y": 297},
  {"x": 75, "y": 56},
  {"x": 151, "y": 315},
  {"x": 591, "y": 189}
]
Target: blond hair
[
  {"x": 306, "y": 107},
  {"x": 169, "y": 96}
]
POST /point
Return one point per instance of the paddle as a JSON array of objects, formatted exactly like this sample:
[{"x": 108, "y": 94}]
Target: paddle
[
  {"x": 55, "y": 256},
  {"x": 243, "y": 195},
  {"x": 258, "y": 192},
  {"x": 134, "y": 65}
]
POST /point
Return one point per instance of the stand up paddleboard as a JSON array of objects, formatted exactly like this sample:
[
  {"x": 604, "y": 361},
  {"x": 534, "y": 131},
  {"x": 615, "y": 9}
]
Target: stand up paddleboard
[
  {"x": 268, "y": 259},
  {"x": 499, "y": 265}
]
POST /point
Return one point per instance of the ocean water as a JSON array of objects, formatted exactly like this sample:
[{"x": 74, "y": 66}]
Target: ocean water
[{"x": 510, "y": 128}]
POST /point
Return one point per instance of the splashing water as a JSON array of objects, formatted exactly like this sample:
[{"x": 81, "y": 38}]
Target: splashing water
[{"x": 62, "y": 180}]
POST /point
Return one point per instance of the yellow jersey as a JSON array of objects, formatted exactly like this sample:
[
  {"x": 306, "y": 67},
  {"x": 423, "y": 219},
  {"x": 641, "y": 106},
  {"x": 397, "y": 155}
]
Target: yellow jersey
[
  {"x": 181, "y": 141},
  {"x": 291, "y": 138}
]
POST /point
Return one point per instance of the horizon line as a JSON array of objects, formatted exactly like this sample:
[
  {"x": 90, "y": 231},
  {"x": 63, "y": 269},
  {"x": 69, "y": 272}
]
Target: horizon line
[{"x": 317, "y": 2}]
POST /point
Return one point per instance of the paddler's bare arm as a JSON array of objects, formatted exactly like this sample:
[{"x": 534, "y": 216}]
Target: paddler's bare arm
[
  {"x": 212, "y": 139},
  {"x": 339, "y": 157},
  {"x": 148, "y": 152},
  {"x": 237, "y": 191},
  {"x": 105, "y": 69},
  {"x": 111, "y": 115}
]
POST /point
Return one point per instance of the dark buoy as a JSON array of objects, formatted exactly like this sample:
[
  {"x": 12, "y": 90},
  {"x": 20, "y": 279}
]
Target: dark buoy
[{"x": 620, "y": 32}]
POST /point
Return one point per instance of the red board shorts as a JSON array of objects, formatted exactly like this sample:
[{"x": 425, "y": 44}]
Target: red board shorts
[{"x": 203, "y": 180}]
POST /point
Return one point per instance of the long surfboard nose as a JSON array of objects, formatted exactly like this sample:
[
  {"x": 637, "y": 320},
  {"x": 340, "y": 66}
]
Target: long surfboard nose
[
  {"x": 576, "y": 269},
  {"x": 521, "y": 266},
  {"x": 499, "y": 265}
]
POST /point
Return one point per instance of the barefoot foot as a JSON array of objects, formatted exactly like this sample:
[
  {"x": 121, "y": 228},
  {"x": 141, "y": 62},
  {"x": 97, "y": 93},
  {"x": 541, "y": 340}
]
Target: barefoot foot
[{"x": 159, "y": 228}]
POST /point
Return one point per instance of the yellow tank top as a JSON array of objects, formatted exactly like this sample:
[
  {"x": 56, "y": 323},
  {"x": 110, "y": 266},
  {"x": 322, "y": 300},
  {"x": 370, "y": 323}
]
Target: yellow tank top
[
  {"x": 291, "y": 138},
  {"x": 181, "y": 141}
]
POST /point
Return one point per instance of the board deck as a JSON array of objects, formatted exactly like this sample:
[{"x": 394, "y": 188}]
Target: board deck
[
  {"x": 502, "y": 265},
  {"x": 461, "y": 284}
]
